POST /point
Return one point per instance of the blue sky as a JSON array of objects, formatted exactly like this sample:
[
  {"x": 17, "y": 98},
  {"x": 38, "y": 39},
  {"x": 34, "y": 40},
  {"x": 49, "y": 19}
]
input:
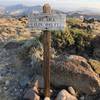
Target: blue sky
[{"x": 60, "y": 4}]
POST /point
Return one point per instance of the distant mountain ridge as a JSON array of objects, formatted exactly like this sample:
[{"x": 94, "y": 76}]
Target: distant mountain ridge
[
  {"x": 87, "y": 13},
  {"x": 21, "y": 10},
  {"x": 18, "y": 10}
]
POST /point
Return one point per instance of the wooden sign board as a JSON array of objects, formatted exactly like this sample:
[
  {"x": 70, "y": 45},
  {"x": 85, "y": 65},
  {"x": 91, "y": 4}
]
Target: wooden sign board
[{"x": 47, "y": 22}]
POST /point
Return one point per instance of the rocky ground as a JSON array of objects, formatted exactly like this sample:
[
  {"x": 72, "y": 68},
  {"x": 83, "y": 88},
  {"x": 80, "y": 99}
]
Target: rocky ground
[{"x": 73, "y": 77}]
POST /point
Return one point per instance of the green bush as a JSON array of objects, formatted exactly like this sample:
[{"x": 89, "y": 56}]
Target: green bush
[
  {"x": 73, "y": 21},
  {"x": 78, "y": 38},
  {"x": 82, "y": 40},
  {"x": 62, "y": 39}
]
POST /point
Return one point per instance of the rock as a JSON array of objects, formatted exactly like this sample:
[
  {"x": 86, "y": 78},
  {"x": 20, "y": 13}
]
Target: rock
[
  {"x": 95, "y": 65},
  {"x": 71, "y": 90},
  {"x": 46, "y": 98},
  {"x": 7, "y": 82},
  {"x": 69, "y": 72},
  {"x": 96, "y": 53},
  {"x": 5, "y": 88},
  {"x": 31, "y": 95},
  {"x": 12, "y": 45},
  {"x": 78, "y": 58},
  {"x": 89, "y": 97},
  {"x": 82, "y": 98},
  {"x": 64, "y": 95},
  {"x": 96, "y": 45},
  {"x": 23, "y": 82},
  {"x": 38, "y": 82}
]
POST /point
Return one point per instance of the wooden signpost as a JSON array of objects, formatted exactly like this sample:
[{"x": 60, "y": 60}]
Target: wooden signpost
[
  {"x": 46, "y": 46},
  {"x": 46, "y": 22}
]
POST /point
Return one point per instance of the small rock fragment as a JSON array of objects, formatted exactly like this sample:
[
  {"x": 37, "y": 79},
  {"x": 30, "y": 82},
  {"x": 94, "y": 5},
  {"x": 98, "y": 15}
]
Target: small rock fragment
[
  {"x": 82, "y": 98},
  {"x": 7, "y": 82},
  {"x": 71, "y": 90},
  {"x": 46, "y": 98},
  {"x": 38, "y": 82},
  {"x": 31, "y": 95},
  {"x": 64, "y": 95}
]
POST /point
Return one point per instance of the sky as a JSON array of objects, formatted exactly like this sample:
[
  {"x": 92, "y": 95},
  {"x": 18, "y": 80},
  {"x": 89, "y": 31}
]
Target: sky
[{"x": 60, "y": 4}]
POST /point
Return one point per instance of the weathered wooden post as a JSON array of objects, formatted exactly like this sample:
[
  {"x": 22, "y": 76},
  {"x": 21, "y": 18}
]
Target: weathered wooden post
[
  {"x": 47, "y": 55},
  {"x": 47, "y": 22}
]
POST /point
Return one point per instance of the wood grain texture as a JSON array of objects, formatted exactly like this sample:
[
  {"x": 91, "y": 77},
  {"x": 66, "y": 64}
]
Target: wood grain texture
[{"x": 47, "y": 55}]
